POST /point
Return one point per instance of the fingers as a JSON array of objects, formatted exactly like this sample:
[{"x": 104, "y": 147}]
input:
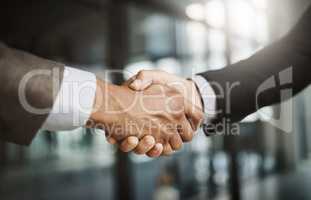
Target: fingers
[
  {"x": 145, "y": 145},
  {"x": 167, "y": 150},
  {"x": 176, "y": 142},
  {"x": 156, "y": 151},
  {"x": 185, "y": 131},
  {"x": 145, "y": 78},
  {"x": 139, "y": 84},
  {"x": 194, "y": 115},
  {"x": 129, "y": 144}
]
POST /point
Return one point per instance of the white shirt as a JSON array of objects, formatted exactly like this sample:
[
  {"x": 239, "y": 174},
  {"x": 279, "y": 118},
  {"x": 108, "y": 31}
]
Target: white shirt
[
  {"x": 208, "y": 96},
  {"x": 74, "y": 103},
  {"x": 75, "y": 100}
]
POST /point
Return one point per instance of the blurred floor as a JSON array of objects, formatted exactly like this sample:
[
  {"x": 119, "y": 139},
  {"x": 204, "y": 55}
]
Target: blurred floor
[
  {"x": 97, "y": 184},
  {"x": 295, "y": 185},
  {"x": 49, "y": 181}
]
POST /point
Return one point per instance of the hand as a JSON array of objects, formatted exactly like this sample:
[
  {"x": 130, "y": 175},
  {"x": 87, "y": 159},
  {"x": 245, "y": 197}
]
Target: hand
[
  {"x": 144, "y": 79},
  {"x": 187, "y": 88},
  {"x": 158, "y": 111}
]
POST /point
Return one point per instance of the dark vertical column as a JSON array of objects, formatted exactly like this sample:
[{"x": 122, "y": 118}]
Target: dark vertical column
[
  {"x": 211, "y": 184},
  {"x": 118, "y": 34},
  {"x": 2, "y": 154},
  {"x": 118, "y": 51},
  {"x": 234, "y": 175}
]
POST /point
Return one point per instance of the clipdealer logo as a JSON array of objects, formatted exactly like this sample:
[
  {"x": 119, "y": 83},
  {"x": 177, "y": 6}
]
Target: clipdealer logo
[{"x": 281, "y": 82}]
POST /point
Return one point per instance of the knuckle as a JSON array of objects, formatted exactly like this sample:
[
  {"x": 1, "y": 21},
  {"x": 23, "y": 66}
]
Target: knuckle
[
  {"x": 167, "y": 153},
  {"x": 187, "y": 136},
  {"x": 187, "y": 139},
  {"x": 143, "y": 73},
  {"x": 139, "y": 151},
  {"x": 124, "y": 149},
  {"x": 132, "y": 141},
  {"x": 150, "y": 155},
  {"x": 153, "y": 153},
  {"x": 176, "y": 143},
  {"x": 148, "y": 141}
]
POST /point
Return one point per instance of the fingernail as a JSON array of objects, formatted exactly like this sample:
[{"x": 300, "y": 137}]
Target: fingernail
[
  {"x": 136, "y": 84},
  {"x": 159, "y": 146},
  {"x": 150, "y": 140},
  {"x": 133, "y": 140}
]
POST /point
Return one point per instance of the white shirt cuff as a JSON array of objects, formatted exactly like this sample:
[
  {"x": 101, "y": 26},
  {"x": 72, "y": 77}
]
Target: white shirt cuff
[
  {"x": 74, "y": 103},
  {"x": 208, "y": 97}
]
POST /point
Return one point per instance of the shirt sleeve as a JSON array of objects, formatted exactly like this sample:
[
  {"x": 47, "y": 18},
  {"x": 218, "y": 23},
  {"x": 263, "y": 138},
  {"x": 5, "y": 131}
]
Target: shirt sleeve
[
  {"x": 74, "y": 103},
  {"x": 208, "y": 97}
]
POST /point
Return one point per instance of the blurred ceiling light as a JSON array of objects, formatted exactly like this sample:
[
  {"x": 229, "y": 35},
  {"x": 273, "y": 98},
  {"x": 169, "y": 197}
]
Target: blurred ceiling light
[
  {"x": 242, "y": 18},
  {"x": 195, "y": 11},
  {"x": 260, "y": 4},
  {"x": 197, "y": 36},
  {"x": 217, "y": 40},
  {"x": 215, "y": 13},
  {"x": 216, "y": 61},
  {"x": 262, "y": 28}
]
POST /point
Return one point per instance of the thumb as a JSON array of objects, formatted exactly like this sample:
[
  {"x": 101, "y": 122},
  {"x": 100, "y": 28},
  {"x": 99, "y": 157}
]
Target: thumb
[
  {"x": 145, "y": 78},
  {"x": 194, "y": 115},
  {"x": 141, "y": 84}
]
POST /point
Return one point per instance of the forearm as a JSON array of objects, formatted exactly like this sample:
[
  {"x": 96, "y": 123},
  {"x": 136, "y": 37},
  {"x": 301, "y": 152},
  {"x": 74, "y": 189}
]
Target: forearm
[
  {"x": 246, "y": 86},
  {"x": 25, "y": 81},
  {"x": 37, "y": 93}
]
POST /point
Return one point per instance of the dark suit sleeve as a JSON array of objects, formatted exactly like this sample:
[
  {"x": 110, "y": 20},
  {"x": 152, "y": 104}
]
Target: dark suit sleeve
[
  {"x": 17, "y": 124},
  {"x": 250, "y": 84}
]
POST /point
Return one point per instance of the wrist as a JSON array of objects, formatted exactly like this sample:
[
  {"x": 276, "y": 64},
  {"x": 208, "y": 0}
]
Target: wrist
[
  {"x": 103, "y": 105},
  {"x": 195, "y": 95}
]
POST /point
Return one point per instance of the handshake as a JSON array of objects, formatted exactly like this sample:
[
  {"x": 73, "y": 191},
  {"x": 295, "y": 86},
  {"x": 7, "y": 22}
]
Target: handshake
[{"x": 152, "y": 113}]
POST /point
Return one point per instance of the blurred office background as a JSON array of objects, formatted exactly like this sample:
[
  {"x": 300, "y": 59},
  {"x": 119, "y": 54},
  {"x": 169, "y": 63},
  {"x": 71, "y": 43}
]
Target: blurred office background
[{"x": 179, "y": 36}]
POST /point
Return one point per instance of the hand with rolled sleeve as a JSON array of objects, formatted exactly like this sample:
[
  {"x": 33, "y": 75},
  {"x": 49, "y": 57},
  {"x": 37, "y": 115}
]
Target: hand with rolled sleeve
[
  {"x": 42, "y": 94},
  {"x": 153, "y": 121}
]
